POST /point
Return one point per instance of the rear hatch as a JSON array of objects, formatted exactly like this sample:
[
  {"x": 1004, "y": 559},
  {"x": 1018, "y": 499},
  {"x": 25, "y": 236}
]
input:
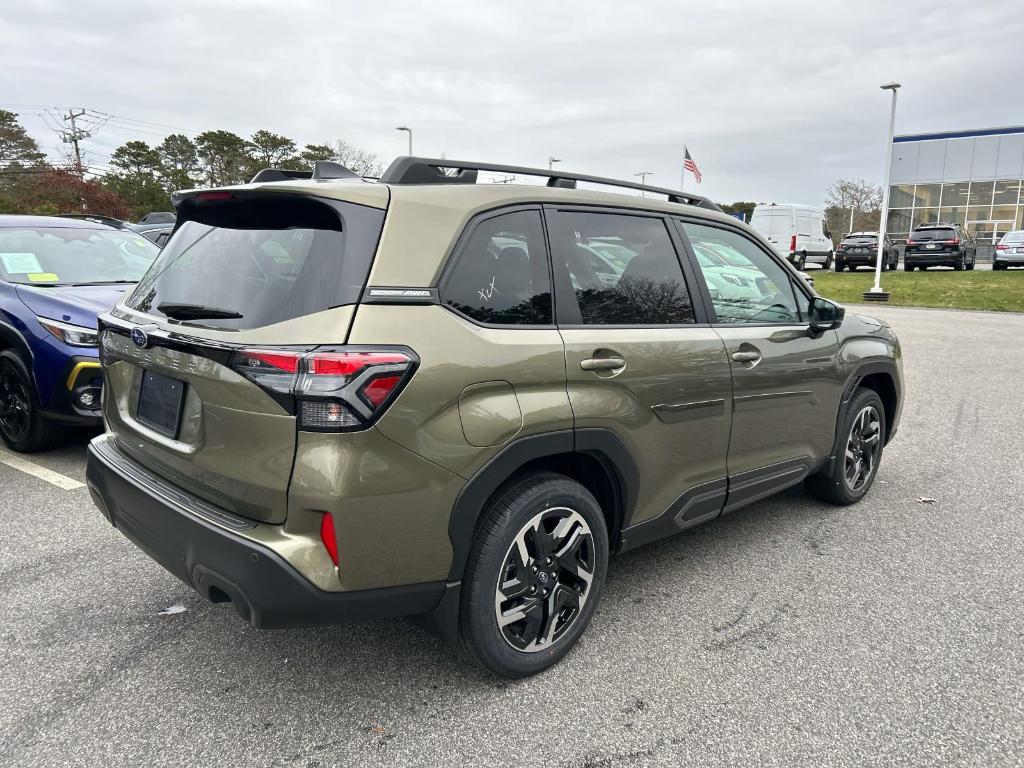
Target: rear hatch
[
  {"x": 777, "y": 227},
  {"x": 202, "y": 360},
  {"x": 860, "y": 246},
  {"x": 934, "y": 240}
]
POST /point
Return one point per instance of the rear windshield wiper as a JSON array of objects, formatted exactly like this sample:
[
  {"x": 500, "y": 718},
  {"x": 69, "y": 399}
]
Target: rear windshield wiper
[{"x": 196, "y": 312}]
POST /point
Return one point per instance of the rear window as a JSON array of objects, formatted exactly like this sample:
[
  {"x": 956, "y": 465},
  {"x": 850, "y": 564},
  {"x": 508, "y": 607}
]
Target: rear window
[
  {"x": 943, "y": 233},
  {"x": 1013, "y": 237},
  {"x": 860, "y": 238},
  {"x": 266, "y": 260}
]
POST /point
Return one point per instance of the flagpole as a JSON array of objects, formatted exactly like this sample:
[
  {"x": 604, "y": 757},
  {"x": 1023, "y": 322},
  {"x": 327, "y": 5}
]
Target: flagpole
[{"x": 682, "y": 178}]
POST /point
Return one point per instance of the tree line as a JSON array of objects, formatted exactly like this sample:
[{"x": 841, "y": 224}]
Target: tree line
[{"x": 141, "y": 177}]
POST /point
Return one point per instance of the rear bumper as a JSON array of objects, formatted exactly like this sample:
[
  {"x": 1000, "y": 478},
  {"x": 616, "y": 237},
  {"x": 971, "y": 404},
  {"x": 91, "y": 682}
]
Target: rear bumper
[
  {"x": 932, "y": 258},
  {"x": 204, "y": 547}
]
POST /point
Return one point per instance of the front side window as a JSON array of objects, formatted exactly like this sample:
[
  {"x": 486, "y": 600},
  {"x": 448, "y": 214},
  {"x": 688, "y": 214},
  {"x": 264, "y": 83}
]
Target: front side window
[
  {"x": 752, "y": 287},
  {"x": 623, "y": 269},
  {"x": 73, "y": 256},
  {"x": 500, "y": 275}
]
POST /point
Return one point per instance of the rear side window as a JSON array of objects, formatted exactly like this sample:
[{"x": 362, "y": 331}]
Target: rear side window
[
  {"x": 267, "y": 259},
  {"x": 500, "y": 275},
  {"x": 623, "y": 269},
  {"x": 933, "y": 234}
]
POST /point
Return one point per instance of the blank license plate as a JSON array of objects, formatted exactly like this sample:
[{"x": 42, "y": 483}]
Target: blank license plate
[{"x": 160, "y": 403}]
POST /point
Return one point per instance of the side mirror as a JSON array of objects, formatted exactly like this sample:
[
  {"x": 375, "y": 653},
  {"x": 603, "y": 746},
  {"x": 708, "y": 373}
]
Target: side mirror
[{"x": 824, "y": 315}]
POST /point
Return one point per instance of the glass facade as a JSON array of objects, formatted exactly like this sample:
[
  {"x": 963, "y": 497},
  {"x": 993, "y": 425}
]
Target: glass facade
[
  {"x": 974, "y": 178},
  {"x": 988, "y": 209}
]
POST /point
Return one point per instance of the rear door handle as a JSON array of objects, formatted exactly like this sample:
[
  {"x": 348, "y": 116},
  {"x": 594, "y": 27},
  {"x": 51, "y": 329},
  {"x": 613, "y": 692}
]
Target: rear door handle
[
  {"x": 746, "y": 357},
  {"x": 602, "y": 364}
]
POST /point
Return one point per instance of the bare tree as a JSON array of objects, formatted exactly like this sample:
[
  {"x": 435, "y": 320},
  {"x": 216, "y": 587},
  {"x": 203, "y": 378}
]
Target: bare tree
[
  {"x": 357, "y": 160},
  {"x": 853, "y": 205}
]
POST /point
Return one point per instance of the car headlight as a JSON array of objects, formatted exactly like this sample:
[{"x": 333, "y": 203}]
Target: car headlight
[{"x": 72, "y": 335}]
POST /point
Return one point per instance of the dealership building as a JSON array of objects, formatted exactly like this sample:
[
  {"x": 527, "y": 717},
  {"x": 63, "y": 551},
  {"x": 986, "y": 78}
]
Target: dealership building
[{"x": 973, "y": 178}]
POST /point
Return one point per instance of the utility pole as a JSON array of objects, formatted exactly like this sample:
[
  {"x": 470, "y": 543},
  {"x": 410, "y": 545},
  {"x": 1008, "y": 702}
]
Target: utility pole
[
  {"x": 643, "y": 178},
  {"x": 75, "y": 135}
]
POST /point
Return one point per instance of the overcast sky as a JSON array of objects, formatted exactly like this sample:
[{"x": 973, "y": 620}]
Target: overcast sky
[{"x": 774, "y": 99}]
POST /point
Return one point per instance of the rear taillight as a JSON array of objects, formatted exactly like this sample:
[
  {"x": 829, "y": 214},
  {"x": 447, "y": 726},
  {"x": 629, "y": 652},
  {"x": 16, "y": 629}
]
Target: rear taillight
[
  {"x": 910, "y": 242},
  {"x": 792, "y": 244},
  {"x": 840, "y": 247},
  {"x": 337, "y": 390},
  {"x": 328, "y": 537},
  {"x": 954, "y": 241},
  {"x": 1000, "y": 247}
]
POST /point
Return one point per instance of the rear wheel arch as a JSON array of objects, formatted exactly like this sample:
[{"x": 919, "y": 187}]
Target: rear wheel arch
[
  {"x": 884, "y": 385},
  {"x": 595, "y": 458}
]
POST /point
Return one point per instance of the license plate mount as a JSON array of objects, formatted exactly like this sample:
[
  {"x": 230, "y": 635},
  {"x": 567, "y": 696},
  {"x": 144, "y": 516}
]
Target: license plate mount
[{"x": 161, "y": 401}]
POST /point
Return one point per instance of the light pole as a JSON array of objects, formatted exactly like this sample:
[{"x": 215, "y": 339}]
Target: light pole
[
  {"x": 876, "y": 293},
  {"x": 409, "y": 131},
  {"x": 643, "y": 178},
  {"x": 551, "y": 161}
]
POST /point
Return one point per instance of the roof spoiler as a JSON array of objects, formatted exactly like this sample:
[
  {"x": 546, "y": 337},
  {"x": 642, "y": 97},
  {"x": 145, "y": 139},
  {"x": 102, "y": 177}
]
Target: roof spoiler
[
  {"x": 322, "y": 169},
  {"x": 426, "y": 170}
]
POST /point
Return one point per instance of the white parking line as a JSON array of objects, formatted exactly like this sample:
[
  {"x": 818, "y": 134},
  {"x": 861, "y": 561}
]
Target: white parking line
[{"x": 53, "y": 478}]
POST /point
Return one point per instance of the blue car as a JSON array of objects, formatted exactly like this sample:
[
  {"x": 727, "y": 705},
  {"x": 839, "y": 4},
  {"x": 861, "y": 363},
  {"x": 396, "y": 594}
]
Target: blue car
[{"x": 56, "y": 276}]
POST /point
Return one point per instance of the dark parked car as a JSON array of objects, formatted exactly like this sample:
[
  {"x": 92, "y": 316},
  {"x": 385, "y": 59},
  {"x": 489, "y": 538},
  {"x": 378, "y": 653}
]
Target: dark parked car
[
  {"x": 860, "y": 249},
  {"x": 939, "y": 245}
]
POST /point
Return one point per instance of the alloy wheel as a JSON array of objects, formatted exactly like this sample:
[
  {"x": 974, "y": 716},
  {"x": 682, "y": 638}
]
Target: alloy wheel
[
  {"x": 15, "y": 406},
  {"x": 862, "y": 448},
  {"x": 545, "y": 579}
]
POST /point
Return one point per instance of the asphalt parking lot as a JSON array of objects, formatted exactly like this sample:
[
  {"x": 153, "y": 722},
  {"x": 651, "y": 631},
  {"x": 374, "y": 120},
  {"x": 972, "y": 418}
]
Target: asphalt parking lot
[{"x": 787, "y": 634}]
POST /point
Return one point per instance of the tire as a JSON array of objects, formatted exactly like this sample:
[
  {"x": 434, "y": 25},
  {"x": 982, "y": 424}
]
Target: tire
[
  {"x": 996, "y": 266},
  {"x": 801, "y": 263},
  {"x": 531, "y": 511},
  {"x": 970, "y": 267},
  {"x": 863, "y": 416},
  {"x": 959, "y": 265},
  {"x": 840, "y": 267},
  {"x": 908, "y": 267},
  {"x": 22, "y": 427},
  {"x": 828, "y": 261}
]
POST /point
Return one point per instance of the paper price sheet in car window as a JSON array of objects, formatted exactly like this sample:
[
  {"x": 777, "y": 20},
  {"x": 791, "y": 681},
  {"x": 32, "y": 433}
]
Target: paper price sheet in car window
[{"x": 21, "y": 263}]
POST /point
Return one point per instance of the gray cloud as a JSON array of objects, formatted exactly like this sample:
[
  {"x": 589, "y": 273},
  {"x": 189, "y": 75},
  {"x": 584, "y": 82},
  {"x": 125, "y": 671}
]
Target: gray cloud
[{"x": 775, "y": 101}]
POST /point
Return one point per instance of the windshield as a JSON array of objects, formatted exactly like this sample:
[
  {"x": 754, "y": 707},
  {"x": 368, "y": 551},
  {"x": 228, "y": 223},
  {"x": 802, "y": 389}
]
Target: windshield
[
  {"x": 933, "y": 234},
  {"x": 73, "y": 256}
]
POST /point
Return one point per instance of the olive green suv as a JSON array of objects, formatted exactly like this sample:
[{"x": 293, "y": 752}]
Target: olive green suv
[{"x": 334, "y": 399}]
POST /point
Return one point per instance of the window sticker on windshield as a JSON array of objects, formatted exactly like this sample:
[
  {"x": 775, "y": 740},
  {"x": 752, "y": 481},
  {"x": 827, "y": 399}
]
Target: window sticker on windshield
[
  {"x": 20, "y": 263},
  {"x": 43, "y": 277}
]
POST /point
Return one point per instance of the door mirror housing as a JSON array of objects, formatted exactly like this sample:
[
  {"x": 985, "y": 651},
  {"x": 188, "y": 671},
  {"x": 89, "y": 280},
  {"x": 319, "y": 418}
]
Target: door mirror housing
[{"x": 824, "y": 315}]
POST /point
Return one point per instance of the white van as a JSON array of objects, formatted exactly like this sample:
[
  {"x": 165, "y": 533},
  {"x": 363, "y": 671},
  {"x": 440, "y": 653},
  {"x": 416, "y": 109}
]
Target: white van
[{"x": 797, "y": 232}]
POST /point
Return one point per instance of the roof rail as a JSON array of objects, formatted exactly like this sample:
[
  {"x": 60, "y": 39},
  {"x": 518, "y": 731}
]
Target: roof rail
[
  {"x": 322, "y": 169},
  {"x": 427, "y": 170}
]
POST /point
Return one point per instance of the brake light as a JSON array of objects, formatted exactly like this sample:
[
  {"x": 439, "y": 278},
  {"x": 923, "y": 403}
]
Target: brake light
[
  {"x": 792, "y": 244},
  {"x": 1000, "y": 247},
  {"x": 213, "y": 195},
  {"x": 910, "y": 242},
  {"x": 338, "y": 390},
  {"x": 954, "y": 241},
  {"x": 840, "y": 247},
  {"x": 327, "y": 536}
]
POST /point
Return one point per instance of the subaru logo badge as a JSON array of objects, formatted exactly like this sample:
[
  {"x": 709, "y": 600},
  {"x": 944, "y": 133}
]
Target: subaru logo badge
[{"x": 140, "y": 337}]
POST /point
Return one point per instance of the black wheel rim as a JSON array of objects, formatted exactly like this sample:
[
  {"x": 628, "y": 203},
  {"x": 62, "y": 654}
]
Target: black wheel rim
[
  {"x": 545, "y": 579},
  {"x": 15, "y": 404},
  {"x": 862, "y": 449}
]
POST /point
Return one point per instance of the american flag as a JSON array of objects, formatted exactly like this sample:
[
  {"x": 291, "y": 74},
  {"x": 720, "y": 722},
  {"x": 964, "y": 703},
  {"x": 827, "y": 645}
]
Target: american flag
[{"x": 691, "y": 166}]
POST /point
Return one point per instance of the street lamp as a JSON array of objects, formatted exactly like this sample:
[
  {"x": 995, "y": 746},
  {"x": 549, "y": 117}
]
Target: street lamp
[
  {"x": 409, "y": 131},
  {"x": 876, "y": 293},
  {"x": 643, "y": 178},
  {"x": 552, "y": 160}
]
